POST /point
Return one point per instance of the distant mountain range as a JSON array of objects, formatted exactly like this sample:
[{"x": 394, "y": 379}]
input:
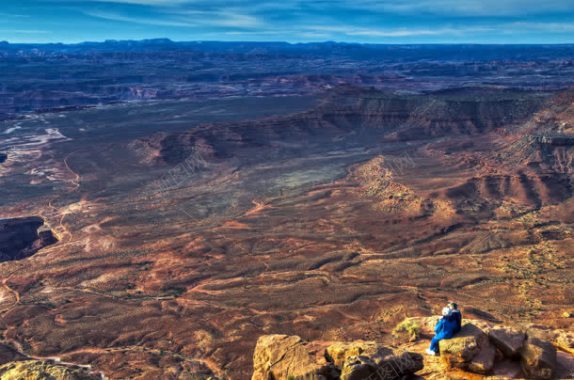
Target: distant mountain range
[{"x": 355, "y": 50}]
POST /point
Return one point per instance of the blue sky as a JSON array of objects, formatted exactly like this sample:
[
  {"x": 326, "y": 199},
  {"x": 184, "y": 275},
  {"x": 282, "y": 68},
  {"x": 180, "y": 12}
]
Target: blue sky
[{"x": 371, "y": 21}]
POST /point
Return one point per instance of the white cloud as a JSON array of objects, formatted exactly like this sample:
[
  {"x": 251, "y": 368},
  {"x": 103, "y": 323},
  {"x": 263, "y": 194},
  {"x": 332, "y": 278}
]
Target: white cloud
[
  {"x": 24, "y": 31},
  {"x": 552, "y": 27},
  {"x": 400, "y": 33},
  {"x": 12, "y": 15},
  {"x": 396, "y": 32},
  {"x": 184, "y": 19},
  {"x": 472, "y": 8},
  {"x": 155, "y": 21},
  {"x": 145, "y": 2},
  {"x": 328, "y": 19},
  {"x": 223, "y": 17},
  {"x": 507, "y": 28}
]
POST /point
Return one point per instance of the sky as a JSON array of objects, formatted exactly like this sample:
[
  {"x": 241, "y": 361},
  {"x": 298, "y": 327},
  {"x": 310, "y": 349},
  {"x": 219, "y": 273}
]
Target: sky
[{"x": 365, "y": 21}]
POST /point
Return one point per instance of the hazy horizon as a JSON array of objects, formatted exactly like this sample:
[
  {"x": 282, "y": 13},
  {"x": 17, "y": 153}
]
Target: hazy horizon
[{"x": 175, "y": 41}]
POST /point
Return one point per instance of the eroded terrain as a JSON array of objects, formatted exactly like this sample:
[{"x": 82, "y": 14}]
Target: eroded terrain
[
  {"x": 326, "y": 191},
  {"x": 185, "y": 231}
]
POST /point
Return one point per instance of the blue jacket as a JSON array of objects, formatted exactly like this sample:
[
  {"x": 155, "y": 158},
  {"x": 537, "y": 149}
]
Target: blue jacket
[
  {"x": 446, "y": 327},
  {"x": 458, "y": 319}
]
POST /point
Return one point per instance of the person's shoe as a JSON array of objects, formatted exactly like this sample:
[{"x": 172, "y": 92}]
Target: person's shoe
[{"x": 431, "y": 352}]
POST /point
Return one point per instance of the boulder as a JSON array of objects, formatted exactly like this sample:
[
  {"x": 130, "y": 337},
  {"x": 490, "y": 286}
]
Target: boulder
[
  {"x": 359, "y": 368},
  {"x": 280, "y": 357},
  {"x": 469, "y": 350},
  {"x": 339, "y": 352},
  {"x": 509, "y": 341},
  {"x": 43, "y": 370},
  {"x": 396, "y": 366},
  {"x": 483, "y": 362},
  {"x": 382, "y": 365},
  {"x": 538, "y": 358}
]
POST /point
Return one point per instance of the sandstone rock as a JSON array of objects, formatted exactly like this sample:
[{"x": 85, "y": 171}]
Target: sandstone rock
[
  {"x": 373, "y": 360},
  {"x": 396, "y": 366},
  {"x": 281, "y": 357},
  {"x": 483, "y": 362},
  {"x": 564, "y": 365},
  {"x": 541, "y": 332},
  {"x": 43, "y": 370},
  {"x": 507, "y": 369},
  {"x": 538, "y": 358},
  {"x": 509, "y": 341},
  {"x": 387, "y": 367},
  {"x": 469, "y": 350},
  {"x": 339, "y": 352},
  {"x": 463, "y": 347},
  {"x": 359, "y": 368},
  {"x": 565, "y": 341}
]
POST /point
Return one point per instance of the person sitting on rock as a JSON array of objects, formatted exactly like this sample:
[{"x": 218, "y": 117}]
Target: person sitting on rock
[
  {"x": 444, "y": 329},
  {"x": 457, "y": 315}
]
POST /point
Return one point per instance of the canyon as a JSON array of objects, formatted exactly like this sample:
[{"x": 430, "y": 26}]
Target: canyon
[
  {"x": 20, "y": 238},
  {"x": 161, "y": 237}
]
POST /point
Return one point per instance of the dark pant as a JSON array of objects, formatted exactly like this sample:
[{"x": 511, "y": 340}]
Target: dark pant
[{"x": 434, "y": 343}]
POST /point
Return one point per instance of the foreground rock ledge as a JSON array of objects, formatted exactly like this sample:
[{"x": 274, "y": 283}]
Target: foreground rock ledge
[
  {"x": 43, "y": 370},
  {"x": 481, "y": 350},
  {"x": 475, "y": 351},
  {"x": 289, "y": 357},
  {"x": 469, "y": 350}
]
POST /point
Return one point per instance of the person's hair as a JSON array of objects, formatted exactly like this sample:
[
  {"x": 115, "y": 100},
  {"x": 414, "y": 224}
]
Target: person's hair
[{"x": 453, "y": 305}]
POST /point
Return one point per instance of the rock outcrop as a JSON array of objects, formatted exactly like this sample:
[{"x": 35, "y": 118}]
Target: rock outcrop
[
  {"x": 358, "y": 368},
  {"x": 340, "y": 352},
  {"x": 289, "y": 357},
  {"x": 15, "y": 365},
  {"x": 508, "y": 341},
  {"x": 400, "y": 364},
  {"x": 565, "y": 341},
  {"x": 494, "y": 351},
  {"x": 538, "y": 359},
  {"x": 383, "y": 364},
  {"x": 283, "y": 356},
  {"x": 474, "y": 351},
  {"x": 469, "y": 350},
  {"x": 481, "y": 350},
  {"x": 44, "y": 370}
]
